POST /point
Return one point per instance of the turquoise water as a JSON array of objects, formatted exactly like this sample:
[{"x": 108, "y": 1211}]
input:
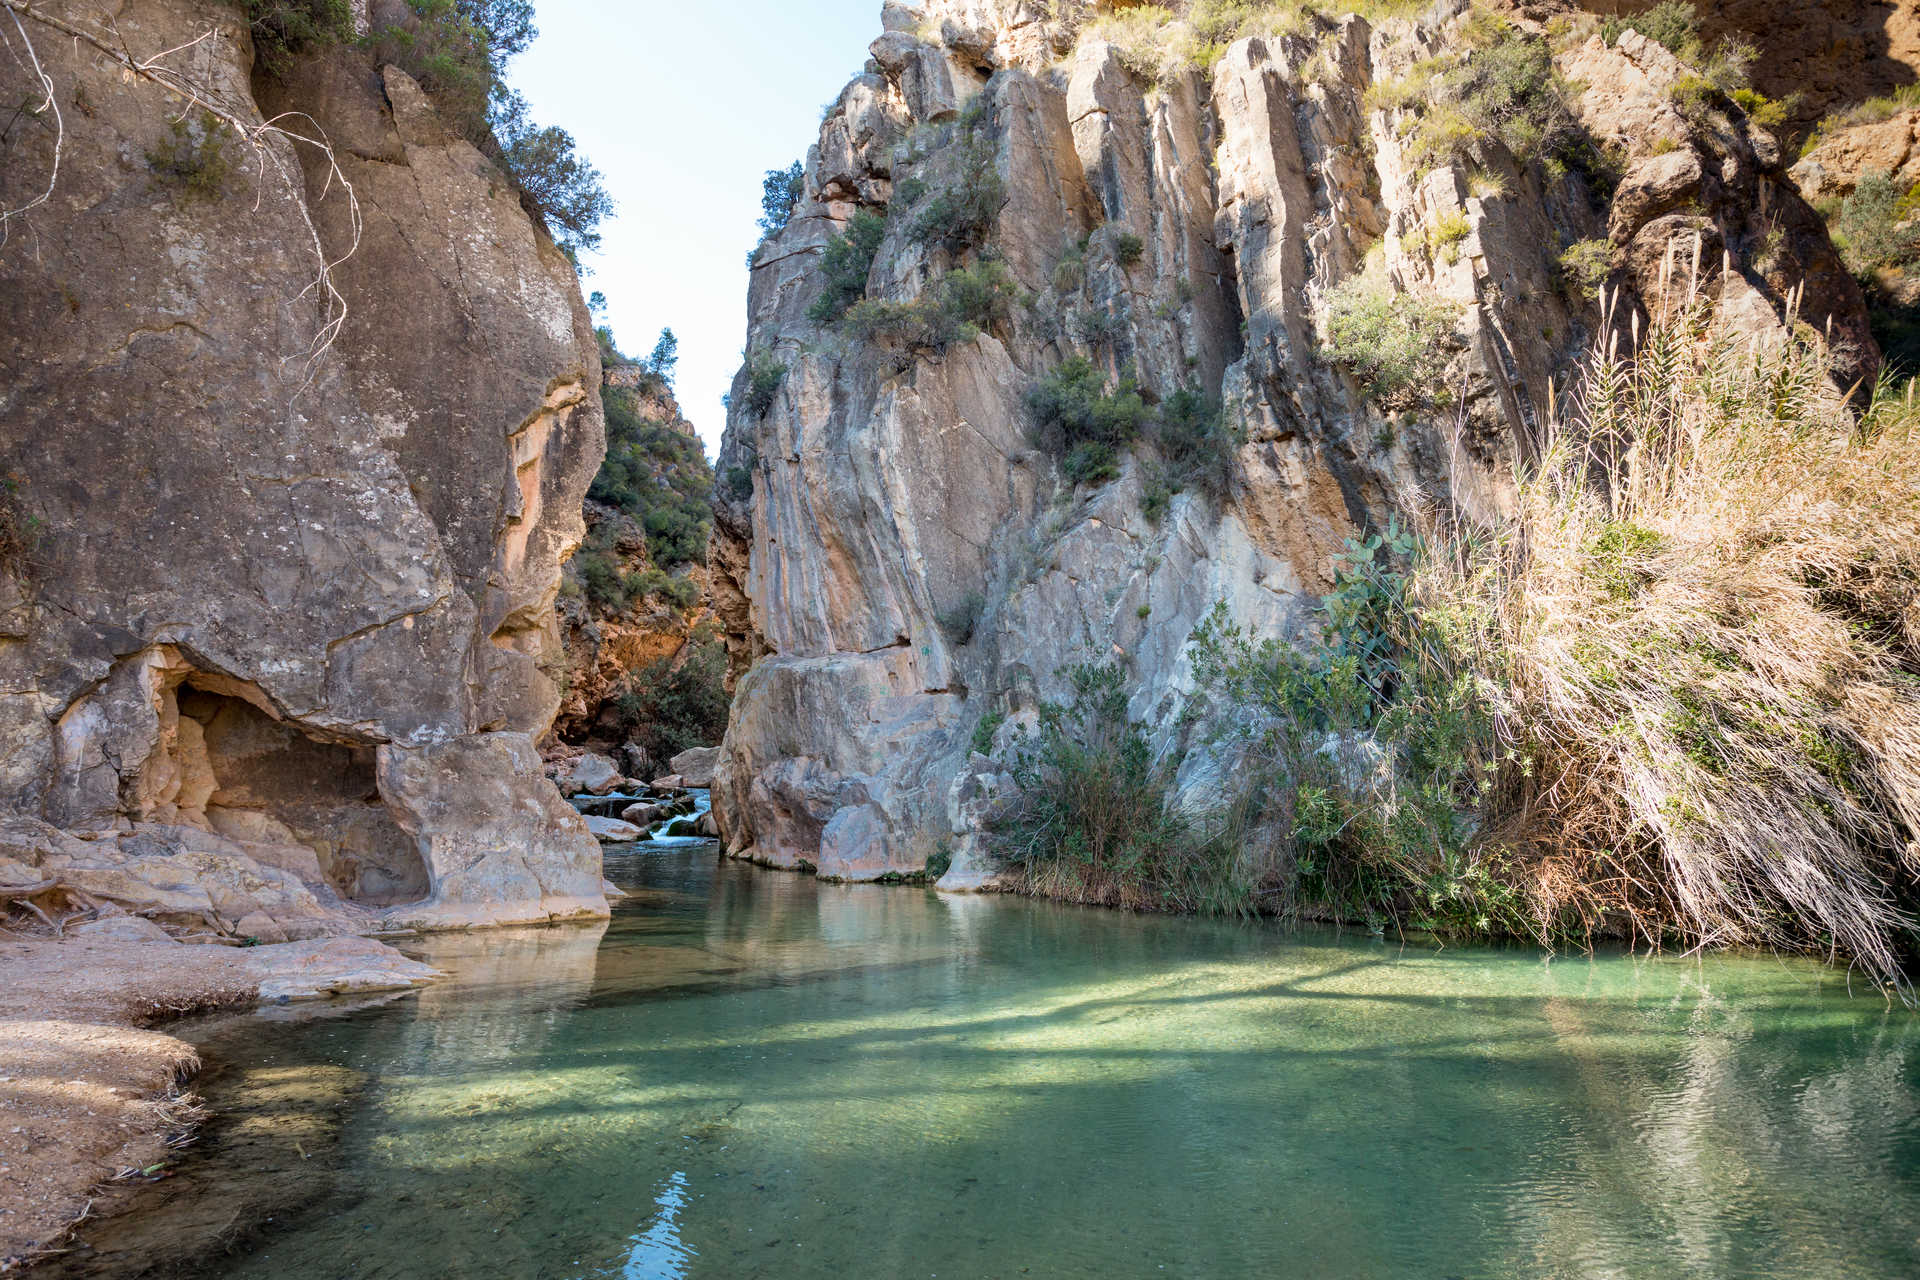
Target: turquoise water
[{"x": 753, "y": 1074}]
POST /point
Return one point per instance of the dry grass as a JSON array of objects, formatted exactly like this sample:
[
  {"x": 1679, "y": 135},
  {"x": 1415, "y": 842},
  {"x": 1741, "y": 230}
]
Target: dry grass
[{"x": 1703, "y": 621}]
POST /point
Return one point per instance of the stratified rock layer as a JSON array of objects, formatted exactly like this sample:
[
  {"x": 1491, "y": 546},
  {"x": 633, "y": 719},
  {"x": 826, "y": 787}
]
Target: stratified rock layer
[
  {"x": 280, "y": 592},
  {"x": 893, "y": 558}
]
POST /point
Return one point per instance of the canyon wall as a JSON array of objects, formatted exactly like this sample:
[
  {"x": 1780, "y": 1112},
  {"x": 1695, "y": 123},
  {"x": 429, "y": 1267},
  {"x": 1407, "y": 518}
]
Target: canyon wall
[
  {"x": 901, "y": 569},
  {"x": 294, "y": 446}
]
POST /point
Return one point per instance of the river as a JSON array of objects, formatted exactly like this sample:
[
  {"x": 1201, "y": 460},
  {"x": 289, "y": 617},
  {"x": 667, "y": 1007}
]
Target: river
[{"x": 753, "y": 1074}]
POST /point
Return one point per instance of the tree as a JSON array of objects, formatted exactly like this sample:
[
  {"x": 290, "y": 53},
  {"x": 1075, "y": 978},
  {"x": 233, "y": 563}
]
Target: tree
[
  {"x": 544, "y": 163},
  {"x": 779, "y": 195},
  {"x": 666, "y": 354},
  {"x": 508, "y": 25}
]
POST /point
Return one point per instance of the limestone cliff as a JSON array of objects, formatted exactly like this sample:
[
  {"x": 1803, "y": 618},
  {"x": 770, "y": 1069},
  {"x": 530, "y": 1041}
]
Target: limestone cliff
[
  {"x": 294, "y": 455},
  {"x": 897, "y": 560}
]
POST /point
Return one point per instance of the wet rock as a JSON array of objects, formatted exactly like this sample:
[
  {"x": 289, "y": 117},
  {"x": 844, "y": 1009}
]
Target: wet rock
[
  {"x": 332, "y": 967},
  {"x": 643, "y": 814}
]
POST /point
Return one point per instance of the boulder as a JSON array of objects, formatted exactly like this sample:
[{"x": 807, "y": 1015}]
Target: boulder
[
  {"x": 643, "y": 814},
  {"x": 614, "y": 831},
  {"x": 499, "y": 846},
  {"x": 592, "y": 775},
  {"x": 332, "y": 967},
  {"x": 695, "y": 766}
]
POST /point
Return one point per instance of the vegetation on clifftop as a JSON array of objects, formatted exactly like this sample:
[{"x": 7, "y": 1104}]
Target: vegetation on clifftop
[{"x": 458, "y": 50}]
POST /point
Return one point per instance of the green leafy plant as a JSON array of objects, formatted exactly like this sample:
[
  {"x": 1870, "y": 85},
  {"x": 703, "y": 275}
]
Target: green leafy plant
[
  {"x": 766, "y": 373},
  {"x": 673, "y": 704},
  {"x": 193, "y": 157},
  {"x": 1094, "y": 820},
  {"x": 1585, "y": 266},
  {"x": 846, "y": 264},
  {"x": 1397, "y": 345},
  {"x": 1083, "y": 422}
]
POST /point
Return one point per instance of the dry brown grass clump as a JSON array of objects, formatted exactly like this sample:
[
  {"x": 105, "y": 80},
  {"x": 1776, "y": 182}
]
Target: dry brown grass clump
[{"x": 1704, "y": 618}]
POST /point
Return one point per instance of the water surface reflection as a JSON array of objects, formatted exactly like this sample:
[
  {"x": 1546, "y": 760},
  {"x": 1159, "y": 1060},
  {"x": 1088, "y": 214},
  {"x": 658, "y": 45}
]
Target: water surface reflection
[{"x": 754, "y": 1074}]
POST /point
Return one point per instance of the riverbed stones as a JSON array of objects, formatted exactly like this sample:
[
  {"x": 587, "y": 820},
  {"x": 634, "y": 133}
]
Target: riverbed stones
[{"x": 592, "y": 774}]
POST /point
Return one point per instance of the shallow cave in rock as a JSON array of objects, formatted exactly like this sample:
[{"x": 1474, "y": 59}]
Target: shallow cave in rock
[{"x": 270, "y": 784}]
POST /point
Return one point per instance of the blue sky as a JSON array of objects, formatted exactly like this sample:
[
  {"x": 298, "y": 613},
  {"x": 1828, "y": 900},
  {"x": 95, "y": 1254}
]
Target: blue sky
[{"x": 684, "y": 107}]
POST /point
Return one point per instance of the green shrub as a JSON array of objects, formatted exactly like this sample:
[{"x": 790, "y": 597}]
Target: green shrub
[
  {"x": 985, "y": 730},
  {"x": 1397, "y": 345},
  {"x": 1128, "y": 248},
  {"x": 565, "y": 192},
  {"x": 780, "y": 194},
  {"x": 957, "y": 309},
  {"x": 193, "y": 156},
  {"x": 1374, "y": 752},
  {"x": 669, "y": 706},
  {"x": 961, "y": 215},
  {"x": 1082, "y": 422},
  {"x": 657, "y": 475},
  {"x": 284, "y": 29},
  {"x": 1094, "y": 821},
  {"x": 1194, "y": 443},
  {"x": 846, "y": 264},
  {"x": 1673, "y": 23},
  {"x": 765, "y": 374},
  {"x": 1585, "y": 266},
  {"x": 1875, "y": 228}
]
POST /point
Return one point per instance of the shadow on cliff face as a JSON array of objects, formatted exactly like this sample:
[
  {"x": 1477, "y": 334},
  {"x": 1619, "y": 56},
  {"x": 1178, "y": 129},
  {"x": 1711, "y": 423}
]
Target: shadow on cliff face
[
  {"x": 1824, "y": 57},
  {"x": 271, "y": 783}
]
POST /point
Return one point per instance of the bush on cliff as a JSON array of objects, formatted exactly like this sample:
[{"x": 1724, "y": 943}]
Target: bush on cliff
[
  {"x": 458, "y": 50},
  {"x": 846, "y": 264},
  {"x": 1673, "y": 695},
  {"x": 1397, "y": 345},
  {"x": 655, "y": 473},
  {"x": 672, "y": 704},
  {"x": 1083, "y": 422}
]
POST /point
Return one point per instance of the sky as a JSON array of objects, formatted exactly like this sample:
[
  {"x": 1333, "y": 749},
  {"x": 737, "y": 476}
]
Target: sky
[{"x": 683, "y": 105}]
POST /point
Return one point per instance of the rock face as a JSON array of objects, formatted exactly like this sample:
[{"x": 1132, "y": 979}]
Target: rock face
[
  {"x": 281, "y": 565},
  {"x": 896, "y": 561}
]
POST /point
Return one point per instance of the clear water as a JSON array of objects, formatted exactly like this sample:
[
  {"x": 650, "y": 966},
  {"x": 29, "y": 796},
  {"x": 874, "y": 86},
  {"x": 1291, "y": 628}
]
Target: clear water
[{"x": 754, "y": 1074}]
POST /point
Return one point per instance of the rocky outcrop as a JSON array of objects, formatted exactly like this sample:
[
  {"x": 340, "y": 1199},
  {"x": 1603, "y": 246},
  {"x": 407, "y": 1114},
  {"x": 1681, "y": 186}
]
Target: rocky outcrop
[
  {"x": 1815, "y": 57},
  {"x": 899, "y": 561},
  {"x": 288, "y": 535}
]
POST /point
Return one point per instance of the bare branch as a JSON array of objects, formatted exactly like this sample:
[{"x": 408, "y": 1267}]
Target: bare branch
[
  {"x": 262, "y": 136},
  {"x": 31, "y": 64}
]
